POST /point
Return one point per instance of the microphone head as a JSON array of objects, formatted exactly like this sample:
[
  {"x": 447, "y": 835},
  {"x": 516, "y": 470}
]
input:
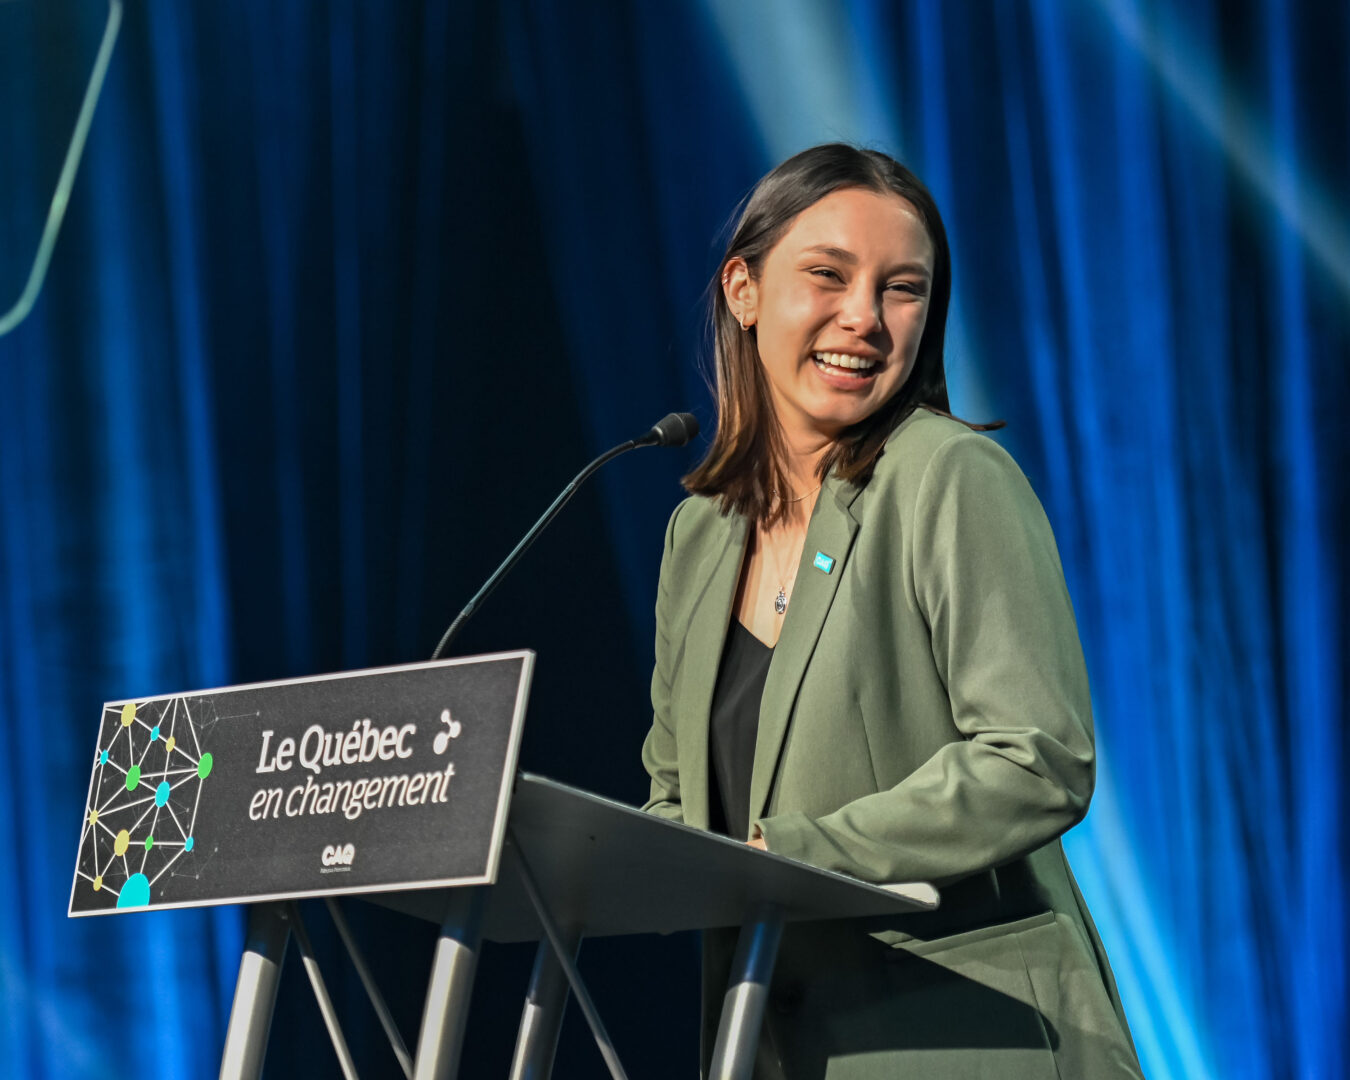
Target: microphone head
[{"x": 673, "y": 430}]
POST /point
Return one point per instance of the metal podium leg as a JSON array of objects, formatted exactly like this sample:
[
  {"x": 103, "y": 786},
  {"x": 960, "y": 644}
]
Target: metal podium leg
[
  {"x": 555, "y": 939},
  {"x": 255, "y": 993},
  {"x": 447, "y": 1006},
  {"x": 541, "y": 1018},
  {"x": 747, "y": 994},
  {"x": 358, "y": 959},
  {"x": 321, "y": 998}
]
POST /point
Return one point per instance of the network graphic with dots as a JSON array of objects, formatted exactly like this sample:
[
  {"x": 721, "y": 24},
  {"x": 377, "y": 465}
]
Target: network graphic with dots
[{"x": 149, "y": 770}]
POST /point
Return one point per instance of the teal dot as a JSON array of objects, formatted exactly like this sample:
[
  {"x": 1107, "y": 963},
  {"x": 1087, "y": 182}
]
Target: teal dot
[
  {"x": 204, "y": 766},
  {"x": 135, "y": 893},
  {"x": 154, "y": 732},
  {"x": 149, "y": 842},
  {"x": 133, "y": 777},
  {"x": 162, "y": 793},
  {"x": 103, "y": 758},
  {"x": 188, "y": 844}
]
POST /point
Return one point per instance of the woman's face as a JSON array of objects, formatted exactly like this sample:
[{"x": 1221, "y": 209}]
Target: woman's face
[{"x": 838, "y": 308}]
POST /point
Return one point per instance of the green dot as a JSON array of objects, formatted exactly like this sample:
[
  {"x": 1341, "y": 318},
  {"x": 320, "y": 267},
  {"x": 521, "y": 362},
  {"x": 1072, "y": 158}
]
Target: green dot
[
  {"x": 149, "y": 842},
  {"x": 204, "y": 766},
  {"x": 133, "y": 777}
]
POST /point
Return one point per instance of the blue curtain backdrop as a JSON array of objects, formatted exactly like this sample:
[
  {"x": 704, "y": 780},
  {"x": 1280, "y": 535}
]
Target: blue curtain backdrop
[{"x": 347, "y": 291}]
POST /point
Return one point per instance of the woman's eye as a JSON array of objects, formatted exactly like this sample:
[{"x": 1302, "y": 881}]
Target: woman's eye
[
  {"x": 825, "y": 272},
  {"x": 906, "y": 287}
]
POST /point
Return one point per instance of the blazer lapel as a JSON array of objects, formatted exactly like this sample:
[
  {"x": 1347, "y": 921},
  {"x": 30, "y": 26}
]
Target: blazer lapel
[
  {"x": 704, "y": 640},
  {"x": 830, "y": 534}
]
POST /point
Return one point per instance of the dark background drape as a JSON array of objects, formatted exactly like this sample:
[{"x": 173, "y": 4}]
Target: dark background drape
[{"x": 347, "y": 291}]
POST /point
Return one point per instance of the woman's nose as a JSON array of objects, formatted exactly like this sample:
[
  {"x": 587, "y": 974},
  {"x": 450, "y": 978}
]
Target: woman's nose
[{"x": 861, "y": 312}]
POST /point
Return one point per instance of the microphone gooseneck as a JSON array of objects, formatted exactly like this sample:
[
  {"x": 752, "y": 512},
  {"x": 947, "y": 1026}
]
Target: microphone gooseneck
[{"x": 673, "y": 430}]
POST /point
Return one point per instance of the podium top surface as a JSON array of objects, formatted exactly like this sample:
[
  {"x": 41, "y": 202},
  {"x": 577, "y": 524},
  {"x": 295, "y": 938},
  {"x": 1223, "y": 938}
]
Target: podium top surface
[{"x": 611, "y": 869}]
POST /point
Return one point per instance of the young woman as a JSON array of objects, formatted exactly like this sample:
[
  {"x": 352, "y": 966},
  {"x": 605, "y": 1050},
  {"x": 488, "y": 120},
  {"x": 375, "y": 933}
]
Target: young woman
[{"x": 866, "y": 657}]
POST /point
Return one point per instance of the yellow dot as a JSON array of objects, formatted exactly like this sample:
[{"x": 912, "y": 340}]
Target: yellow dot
[
  {"x": 98, "y": 883},
  {"x": 93, "y": 817},
  {"x": 169, "y": 744},
  {"x": 121, "y": 843},
  {"x": 128, "y": 714}
]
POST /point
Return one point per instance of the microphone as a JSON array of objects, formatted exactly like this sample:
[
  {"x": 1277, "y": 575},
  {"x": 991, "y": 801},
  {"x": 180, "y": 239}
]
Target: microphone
[{"x": 673, "y": 430}]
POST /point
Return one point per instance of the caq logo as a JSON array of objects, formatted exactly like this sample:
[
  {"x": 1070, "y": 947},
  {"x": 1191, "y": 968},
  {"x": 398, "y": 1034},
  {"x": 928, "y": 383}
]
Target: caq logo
[{"x": 334, "y": 855}]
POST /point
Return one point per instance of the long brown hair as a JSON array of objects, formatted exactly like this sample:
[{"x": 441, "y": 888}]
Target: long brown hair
[{"x": 746, "y": 462}]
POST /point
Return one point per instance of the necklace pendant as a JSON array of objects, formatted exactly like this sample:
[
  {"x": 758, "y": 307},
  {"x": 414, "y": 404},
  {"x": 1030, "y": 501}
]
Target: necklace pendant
[{"x": 780, "y": 602}]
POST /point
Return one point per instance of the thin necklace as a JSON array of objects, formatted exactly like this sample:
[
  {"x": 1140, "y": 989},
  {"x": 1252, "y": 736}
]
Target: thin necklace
[
  {"x": 780, "y": 601},
  {"x": 798, "y": 498}
]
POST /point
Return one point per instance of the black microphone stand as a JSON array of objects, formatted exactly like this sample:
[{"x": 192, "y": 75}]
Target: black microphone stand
[{"x": 675, "y": 430}]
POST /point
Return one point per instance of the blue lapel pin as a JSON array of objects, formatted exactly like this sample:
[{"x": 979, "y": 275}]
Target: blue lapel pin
[{"x": 824, "y": 563}]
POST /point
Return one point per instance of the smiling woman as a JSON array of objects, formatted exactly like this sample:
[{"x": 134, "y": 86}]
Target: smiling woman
[
  {"x": 840, "y": 303},
  {"x": 848, "y": 249},
  {"x": 867, "y": 659}
]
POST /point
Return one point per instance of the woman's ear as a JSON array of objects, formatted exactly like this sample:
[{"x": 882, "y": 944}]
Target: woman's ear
[{"x": 738, "y": 286}]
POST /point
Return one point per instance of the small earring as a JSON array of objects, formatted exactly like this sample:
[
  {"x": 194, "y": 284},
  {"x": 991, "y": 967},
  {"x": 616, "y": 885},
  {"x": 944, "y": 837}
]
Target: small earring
[{"x": 741, "y": 319}]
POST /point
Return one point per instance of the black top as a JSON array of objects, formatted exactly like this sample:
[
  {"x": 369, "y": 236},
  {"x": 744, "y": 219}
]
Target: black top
[{"x": 733, "y": 725}]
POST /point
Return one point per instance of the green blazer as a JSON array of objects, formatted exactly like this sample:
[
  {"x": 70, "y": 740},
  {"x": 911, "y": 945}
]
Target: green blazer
[{"x": 926, "y": 717}]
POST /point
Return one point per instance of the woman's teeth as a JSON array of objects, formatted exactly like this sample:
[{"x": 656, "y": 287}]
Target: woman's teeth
[{"x": 844, "y": 360}]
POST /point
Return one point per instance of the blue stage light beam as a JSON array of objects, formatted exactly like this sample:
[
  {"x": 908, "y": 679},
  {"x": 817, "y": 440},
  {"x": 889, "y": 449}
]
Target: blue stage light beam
[{"x": 1322, "y": 226}]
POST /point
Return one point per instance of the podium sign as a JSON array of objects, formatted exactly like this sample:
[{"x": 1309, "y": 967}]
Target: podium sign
[{"x": 391, "y": 778}]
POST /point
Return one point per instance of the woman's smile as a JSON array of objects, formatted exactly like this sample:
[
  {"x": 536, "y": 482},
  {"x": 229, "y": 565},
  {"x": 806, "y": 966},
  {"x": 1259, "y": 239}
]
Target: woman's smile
[
  {"x": 838, "y": 309},
  {"x": 847, "y": 371}
]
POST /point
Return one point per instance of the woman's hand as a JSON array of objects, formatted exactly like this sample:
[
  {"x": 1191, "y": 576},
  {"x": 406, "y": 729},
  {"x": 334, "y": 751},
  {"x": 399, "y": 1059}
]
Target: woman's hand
[{"x": 758, "y": 842}]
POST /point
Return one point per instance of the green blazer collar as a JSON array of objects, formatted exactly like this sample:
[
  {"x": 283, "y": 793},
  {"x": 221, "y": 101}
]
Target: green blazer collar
[
  {"x": 829, "y": 534},
  {"x": 720, "y": 569}
]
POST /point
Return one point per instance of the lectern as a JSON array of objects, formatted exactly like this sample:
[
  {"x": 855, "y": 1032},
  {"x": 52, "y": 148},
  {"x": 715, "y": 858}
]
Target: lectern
[
  {"x": 399, "y": 785},
  {"x": 575, "y": 865}
]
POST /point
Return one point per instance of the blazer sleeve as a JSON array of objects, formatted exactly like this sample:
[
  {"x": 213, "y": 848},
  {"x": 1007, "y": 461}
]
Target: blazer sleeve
[
  {"x": 986, "y": 576},
  {"x": 660, "y": 753}
]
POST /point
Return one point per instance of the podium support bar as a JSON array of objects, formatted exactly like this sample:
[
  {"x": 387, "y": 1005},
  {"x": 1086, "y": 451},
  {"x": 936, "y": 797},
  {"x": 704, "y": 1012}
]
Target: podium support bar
[
  {"x": 747, "y": 994},
  {"x": 372, "y": 990},
  {"x": 564, "y": 957},
  {"x": 255, "y": 993},
  {"x": 446, "y": 1012},
  {"x": 541, "y": 1018}
]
